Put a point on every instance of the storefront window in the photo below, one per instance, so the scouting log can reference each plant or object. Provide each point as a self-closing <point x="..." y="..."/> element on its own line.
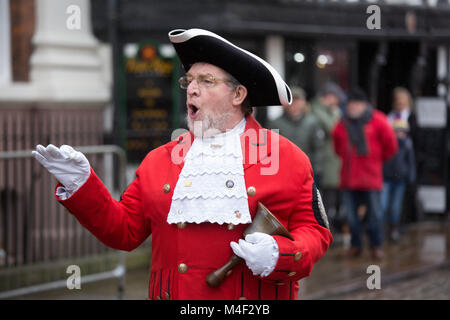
<point x="311" y="64"/>
<point x="299" y="70"/>
<point x="332" y="63"/>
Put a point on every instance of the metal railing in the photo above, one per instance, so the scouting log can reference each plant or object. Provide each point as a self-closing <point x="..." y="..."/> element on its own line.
<point x="36" y="230"/>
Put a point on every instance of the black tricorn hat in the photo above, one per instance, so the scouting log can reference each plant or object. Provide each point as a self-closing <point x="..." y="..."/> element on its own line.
<point x="264" y="85"/>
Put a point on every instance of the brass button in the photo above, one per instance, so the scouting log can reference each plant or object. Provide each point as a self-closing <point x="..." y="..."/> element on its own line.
<point x="279" y="283"/>
<point x="293" y="273"/>
<point x="230" y="226"/>
<point x="167" y="295"/>
<point x="297" y="256"/>
<point x="242" y="298"/>
<point x="182" y="268"/>
<point x="166" y="188"/>
<point x="251" y="191"/>
<point x="181" y="225"/>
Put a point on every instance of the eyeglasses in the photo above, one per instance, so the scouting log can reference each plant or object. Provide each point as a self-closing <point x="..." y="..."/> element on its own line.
<point x="203" y="81"/>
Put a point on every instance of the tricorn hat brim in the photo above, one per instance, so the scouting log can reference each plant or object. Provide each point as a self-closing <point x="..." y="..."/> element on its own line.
<point x="264" y="84"/>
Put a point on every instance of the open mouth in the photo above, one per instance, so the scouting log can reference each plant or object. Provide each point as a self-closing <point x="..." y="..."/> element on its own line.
<point x="193" y="110"/>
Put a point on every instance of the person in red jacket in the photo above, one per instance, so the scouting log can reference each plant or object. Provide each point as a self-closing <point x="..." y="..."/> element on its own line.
<point x="364" y="140"/>
<point x="197" y="194"/>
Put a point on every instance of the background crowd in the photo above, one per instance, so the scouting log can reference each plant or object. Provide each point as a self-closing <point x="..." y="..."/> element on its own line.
<point x="363" y="160"/>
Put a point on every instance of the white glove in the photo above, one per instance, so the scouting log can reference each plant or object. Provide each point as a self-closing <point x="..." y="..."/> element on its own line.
<point x="70" y="167"/>
<point x="260" y="252"/>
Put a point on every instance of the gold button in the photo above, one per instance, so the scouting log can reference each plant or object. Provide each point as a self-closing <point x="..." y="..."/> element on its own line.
<point x="182" y="268"/>
<point x="181" y="225"/>
<point x="293" y="273"/>
<point x="158" y="298"/>
<point x="229" y="272"/>
<point x="279" y="283"/>
<point x="230" y="226"/>
<point x="166" y="188"/>
<point x="167" y="295"/>
<point x="242" y="298"/>
<point x="297" y="256"/>
<point x="251" y="191"/>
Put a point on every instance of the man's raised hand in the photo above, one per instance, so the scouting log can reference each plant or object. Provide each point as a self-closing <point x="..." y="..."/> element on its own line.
<point x="70" y="167"/>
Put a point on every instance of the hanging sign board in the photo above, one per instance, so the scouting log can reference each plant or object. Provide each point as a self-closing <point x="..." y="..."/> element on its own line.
<point x="150" y="98"/>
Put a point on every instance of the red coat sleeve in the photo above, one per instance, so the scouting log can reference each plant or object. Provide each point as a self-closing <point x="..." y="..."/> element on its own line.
<point x="339" y="140"/>
<point x="311" y="235"/>
<point x="119" y="225"/>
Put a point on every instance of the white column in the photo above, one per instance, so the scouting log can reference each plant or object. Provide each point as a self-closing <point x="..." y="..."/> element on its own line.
<point x="448" y="78"/>
<point x="5" y="43"/>
<point x="275" y="56"/>
<point x="65" y="65"/>
<point x="441" y="71"/>
<point x="447" y="75"/>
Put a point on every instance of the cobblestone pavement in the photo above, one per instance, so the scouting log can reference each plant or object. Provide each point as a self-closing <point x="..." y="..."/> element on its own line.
<point x="432" y="286"/>
<point x="417" y="261"/>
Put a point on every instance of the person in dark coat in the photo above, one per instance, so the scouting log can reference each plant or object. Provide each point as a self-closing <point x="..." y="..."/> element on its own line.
<point x="403" y="109"/>
<point x="398" y="172"/>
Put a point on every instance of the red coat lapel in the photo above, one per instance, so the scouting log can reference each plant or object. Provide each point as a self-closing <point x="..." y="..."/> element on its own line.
<point x="256" y="142"/>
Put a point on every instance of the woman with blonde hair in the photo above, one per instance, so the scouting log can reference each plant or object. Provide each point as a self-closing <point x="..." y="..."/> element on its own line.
<point x="403" y="109"/>
<point x="402" y="112"/>
<point x="402" y="104"/>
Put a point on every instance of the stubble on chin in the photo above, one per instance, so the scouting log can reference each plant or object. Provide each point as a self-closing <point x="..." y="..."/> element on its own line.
<point x="210" y="125"/>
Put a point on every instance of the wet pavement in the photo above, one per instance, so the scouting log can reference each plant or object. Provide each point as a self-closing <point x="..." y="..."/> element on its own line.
<point x="417" y="267"/>
<point x="420" y="259"/>
<point x="434" y="285"/>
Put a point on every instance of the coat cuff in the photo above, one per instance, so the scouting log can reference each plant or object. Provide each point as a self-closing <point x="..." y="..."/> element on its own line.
<point x="293" y="261"/>
<point x="63" y="193"/>
<point x="87" y="198"/>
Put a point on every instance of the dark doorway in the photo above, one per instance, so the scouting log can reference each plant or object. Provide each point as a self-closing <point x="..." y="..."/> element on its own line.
<point x="398" y="71"/>
<point x="396" y="66"/>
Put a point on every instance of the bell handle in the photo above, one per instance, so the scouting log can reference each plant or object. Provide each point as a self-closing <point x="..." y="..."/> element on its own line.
<point x="217" y="276"/>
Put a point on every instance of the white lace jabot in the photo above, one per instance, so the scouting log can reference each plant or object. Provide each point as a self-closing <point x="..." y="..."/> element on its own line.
<point x="211" y="185"/>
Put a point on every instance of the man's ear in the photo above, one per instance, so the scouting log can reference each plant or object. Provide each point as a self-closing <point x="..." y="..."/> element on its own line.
<point x="240" y="93"/>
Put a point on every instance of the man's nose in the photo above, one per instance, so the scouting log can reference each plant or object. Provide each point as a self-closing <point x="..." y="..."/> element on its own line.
<point x="193" y="88"/>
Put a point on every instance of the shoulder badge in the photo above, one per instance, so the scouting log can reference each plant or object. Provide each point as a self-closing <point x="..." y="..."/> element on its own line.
<point x="319" y="209"/>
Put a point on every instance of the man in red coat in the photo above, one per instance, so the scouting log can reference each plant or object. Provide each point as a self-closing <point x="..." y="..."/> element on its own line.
<point x="364" y="140"/>
<point x="197" y="194"/>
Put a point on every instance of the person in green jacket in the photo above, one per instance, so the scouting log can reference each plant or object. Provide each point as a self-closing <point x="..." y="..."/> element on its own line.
<point x="300" y="126"/>
<point x="325" y="107"/>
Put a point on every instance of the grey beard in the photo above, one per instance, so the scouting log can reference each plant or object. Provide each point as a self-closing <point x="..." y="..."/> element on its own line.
<point x="210" y="125"/>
